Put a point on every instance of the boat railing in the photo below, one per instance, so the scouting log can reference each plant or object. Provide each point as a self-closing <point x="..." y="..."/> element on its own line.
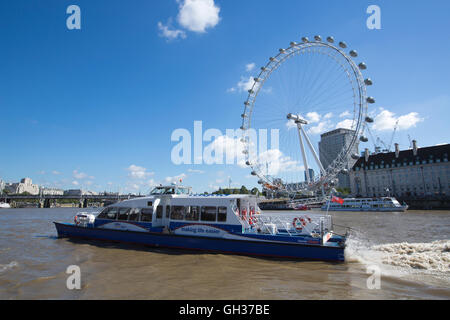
<point x="287" y="224"/>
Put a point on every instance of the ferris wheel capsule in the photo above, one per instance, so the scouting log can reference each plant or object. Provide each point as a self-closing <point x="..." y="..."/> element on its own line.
<point x="353" y="53"/>
<point x="330" y="39"/>
<point x="369" y="120"/>
<point x="305" y="39"/>
<point x="355" y="156"/>
<point x="363" y="139"/>
<point x="318" y="38"/>
<point x="293" y="44"/>
<point x="370" y="100"/>
<point x="343" y="45"/>
<point x="368" y="82"/>
<point x="362" y="66"/>
<point x="282" y="50"/>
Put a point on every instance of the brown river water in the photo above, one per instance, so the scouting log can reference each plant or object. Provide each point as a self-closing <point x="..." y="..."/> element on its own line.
<point x="411" y="250"/>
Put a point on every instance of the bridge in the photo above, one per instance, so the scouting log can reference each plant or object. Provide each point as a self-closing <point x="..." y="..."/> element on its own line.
<point x="46" y="201"/>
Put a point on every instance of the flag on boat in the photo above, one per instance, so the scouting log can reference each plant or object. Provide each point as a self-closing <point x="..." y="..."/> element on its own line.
<point x="337" y="200"/>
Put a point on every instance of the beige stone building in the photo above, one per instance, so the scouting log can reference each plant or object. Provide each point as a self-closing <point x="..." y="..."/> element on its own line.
<point x="415" y="172"/>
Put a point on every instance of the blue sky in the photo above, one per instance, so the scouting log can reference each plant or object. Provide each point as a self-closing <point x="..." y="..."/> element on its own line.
<point x="96" y="107"/>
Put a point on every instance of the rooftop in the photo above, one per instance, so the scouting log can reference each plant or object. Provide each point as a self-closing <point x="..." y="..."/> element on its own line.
<point x="429" y="154"/>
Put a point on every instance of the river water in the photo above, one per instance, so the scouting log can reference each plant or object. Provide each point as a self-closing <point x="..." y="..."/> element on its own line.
<point x="411" y="250"/>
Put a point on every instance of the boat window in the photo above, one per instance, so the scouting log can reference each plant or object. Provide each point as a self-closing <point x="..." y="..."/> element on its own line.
<point x="159" y="212"/>
<point x="209" y="213"/>
<point x="192" y="213"/>
<point x="134" y="214"/>
<point x="146" y="215"/>
<point x="109" y="213"/>
<point x="149" y="204"/>
<point x="103" y="214"/>
<point x="177" y="213"/>
<point x="222" y="214"/>
<point x="167" y="211"/>
<point x="123" y="213"/>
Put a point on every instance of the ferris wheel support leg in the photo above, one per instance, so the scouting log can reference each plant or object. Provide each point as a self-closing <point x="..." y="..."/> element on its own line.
<point x="322" y="170"/>
<point x="302" y="147"/>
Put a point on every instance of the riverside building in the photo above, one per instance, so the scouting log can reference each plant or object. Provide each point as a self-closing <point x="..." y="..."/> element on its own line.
<point x="331" y="144"/>
<point x="417" y="172"/>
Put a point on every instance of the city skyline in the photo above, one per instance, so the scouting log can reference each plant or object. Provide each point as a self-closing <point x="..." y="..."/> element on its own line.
<point x="95" y="108"/>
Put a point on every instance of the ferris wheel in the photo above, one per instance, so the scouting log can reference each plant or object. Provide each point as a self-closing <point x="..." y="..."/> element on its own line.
<point x="304" y="91"/>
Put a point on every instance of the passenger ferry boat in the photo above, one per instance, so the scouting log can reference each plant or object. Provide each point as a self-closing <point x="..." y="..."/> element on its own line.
<point x="385" y="204"/>
<point x="172" y="217"/>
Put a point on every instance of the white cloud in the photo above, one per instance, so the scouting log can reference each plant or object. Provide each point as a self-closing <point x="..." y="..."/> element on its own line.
<point x="56" y="172"/>
<point x="386" y="120"/>
<point x="230" y="148"/>
<point x="249" y="67"/>
<point x="166" y="32"/>
<point x="75" y="183"/>
<point x="344" y="114"/>
<point x="291" y="124"/>
<point x="137" y="172"/>
<point x="321" y="127"/>
<point x="313" y="117"/>
<point x="245" y="84"/>
<point x="198" y="15"/>
<point x="275" y="162"/>
<point x="79" y="175"/>
<point x="329" y="115"/>
<point x="345" y="124"/>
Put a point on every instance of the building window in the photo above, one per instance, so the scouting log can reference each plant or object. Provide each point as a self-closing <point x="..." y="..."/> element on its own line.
<point x="167" y="211"/>
<point x="209" y="213"/>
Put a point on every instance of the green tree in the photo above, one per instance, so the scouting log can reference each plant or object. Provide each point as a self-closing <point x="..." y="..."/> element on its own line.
<point x="243" y="190"/>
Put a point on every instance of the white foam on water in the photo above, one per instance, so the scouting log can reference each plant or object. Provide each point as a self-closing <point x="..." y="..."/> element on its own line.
<point x="5" y="267"/>
<point x="410" y="260"/>
<point x="433" y="256"/>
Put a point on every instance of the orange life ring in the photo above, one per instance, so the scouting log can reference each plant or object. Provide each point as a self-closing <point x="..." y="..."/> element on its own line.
<point x="296" y="226"/>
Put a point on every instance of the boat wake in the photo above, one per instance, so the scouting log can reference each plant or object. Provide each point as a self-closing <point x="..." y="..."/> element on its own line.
<point x="402" y="259"/>
<point x="434" y="256"/>
<point x="5" y="267"/>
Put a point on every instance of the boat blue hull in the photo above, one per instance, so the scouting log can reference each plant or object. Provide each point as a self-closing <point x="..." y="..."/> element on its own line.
<point x="330" y="252"/>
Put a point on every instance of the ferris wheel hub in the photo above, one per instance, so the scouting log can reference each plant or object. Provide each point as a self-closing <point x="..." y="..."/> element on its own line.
<point x="296" y="118"/>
